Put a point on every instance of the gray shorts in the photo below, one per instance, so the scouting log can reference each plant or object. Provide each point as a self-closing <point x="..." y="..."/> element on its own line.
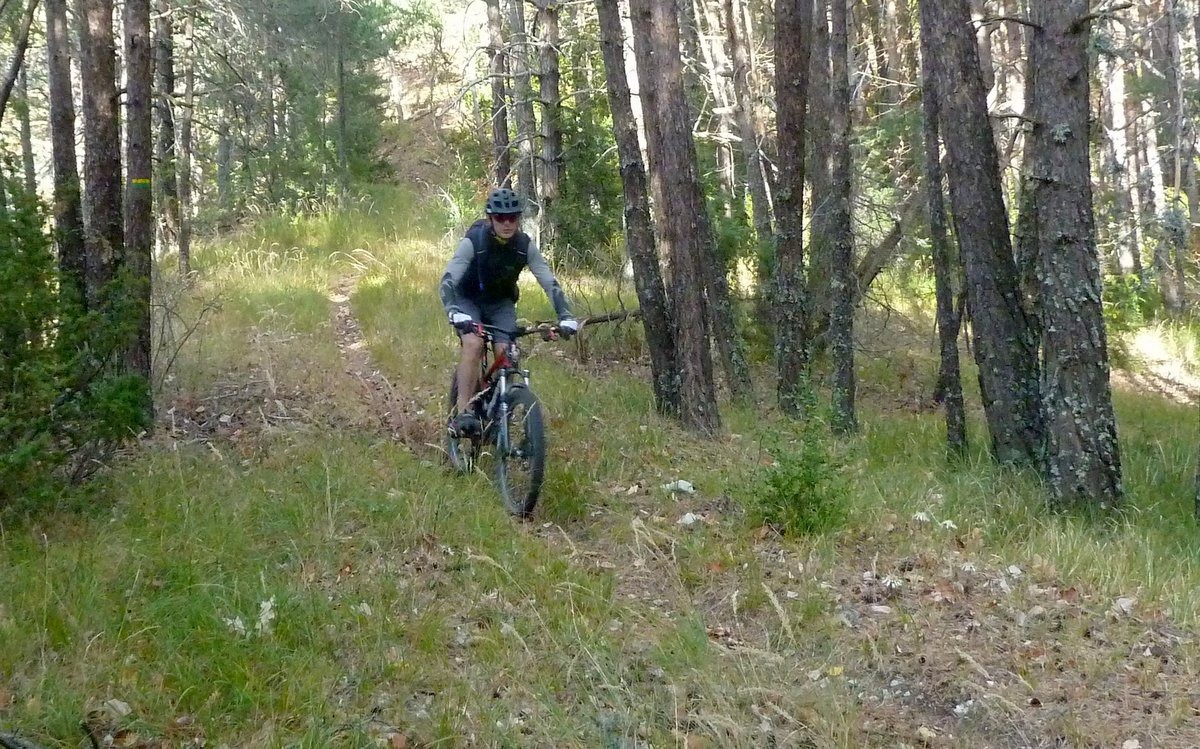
<point x="502" y="314"/>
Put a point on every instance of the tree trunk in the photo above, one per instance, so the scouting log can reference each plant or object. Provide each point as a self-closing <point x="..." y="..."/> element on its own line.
<point x="1005" y="349"/>
<point x="271" y="121"/>
<point x="983" y="37"/>
<point x="646" y="100"/>
<point x="499" y="69"/>
<point x="821" y="226"/>
<point x="639" y="235"/>
<point x="185" y="144"/>
<point x="1025" y="232"/>
<point x="164" y="70"/>
<point x="139" y="220"/>
<point x="552" y="159"/>
<point x="712" y="52"/>
<point x="1181" y="153"/>
<point x="18" y="59"/>
<point x="1117" y="163"/>
<point x="68" y="210"/>
<point x="681" y="212"/>
<point x="1141" y="191"/>
<point x="102" y="208"/>
<point x="1155" y="111"/>
<point x="343" y="146"/>
<point x="793" y="22"/>
<point x="1082" y="461"/>
<point x="949" y="374"/>
<point x="841" y="321"/>
<point x="748" y="126"/>
<point x="710" y="267"/>
<point x="522" y="97"/>
<point x="29" y="168"/>
<point x="900" y="18"/>
<point x="225" y="162"/>
<point x="884" y="89"/>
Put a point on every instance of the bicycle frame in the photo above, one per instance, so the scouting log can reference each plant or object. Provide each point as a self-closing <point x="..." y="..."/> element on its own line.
<point x="494" y="384"/>
<point x="503" y="395"/>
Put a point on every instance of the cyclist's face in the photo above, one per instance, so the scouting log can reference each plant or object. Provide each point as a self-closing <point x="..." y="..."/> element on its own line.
<point x="506" y="226"/>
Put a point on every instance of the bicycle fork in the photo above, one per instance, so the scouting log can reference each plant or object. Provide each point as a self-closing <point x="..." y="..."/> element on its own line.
<point x="502" y="439"/>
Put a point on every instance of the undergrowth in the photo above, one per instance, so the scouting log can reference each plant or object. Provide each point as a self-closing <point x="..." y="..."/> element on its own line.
<point x="308" y="581"/>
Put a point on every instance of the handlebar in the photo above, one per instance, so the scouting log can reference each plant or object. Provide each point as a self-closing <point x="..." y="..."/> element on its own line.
<point x="547" y="331"/>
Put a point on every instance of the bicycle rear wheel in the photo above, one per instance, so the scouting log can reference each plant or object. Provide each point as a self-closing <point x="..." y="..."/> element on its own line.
<point x="521" y="453"/>
<point x="461" y="452"/>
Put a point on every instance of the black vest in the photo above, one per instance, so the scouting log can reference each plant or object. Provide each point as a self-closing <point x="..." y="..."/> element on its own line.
<point x="495" y="268"/>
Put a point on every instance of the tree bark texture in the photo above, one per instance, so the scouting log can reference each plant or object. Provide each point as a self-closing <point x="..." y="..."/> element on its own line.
<point x="164" y="71"/>
<point x="1005" y="349"/>
<point x="225" y="160"/>
<point x="647" y="101"/>
<point x="716" y="64"/>
<point x="793" y="22"/>
<point x="68" y="209"/>
<point x="1116" y="163"/>
<point x="949" y="374"/>
<point x="499" y="69"/>
<point x="187" y="114"/>
<point x="680" y="213"/>
<point x="552" y="140"/>
<point x="522" y="98"/>
<point x="639" y="233"/>
<point x="28" y="167"/>
<point x="102" y="207"/>
<point x="748" y="125"/>
<point x="1082" y="461"/>
<point x="819" y="128"/>
<point x="139" y="148"/>
<point x="841" y="322"/>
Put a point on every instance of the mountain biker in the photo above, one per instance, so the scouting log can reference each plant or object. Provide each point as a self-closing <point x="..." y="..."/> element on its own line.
<point x="480" y="286"/>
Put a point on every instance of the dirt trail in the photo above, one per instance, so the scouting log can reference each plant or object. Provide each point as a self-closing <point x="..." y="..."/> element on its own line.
<point x="404" y="419"/>
<point x="949" y="646"/>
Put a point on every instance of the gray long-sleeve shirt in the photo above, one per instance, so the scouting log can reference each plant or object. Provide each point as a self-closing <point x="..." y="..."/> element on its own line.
<point x="450" y="289"/>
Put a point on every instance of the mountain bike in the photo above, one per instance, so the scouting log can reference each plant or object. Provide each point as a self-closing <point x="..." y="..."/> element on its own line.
<point x="512" y="423"/>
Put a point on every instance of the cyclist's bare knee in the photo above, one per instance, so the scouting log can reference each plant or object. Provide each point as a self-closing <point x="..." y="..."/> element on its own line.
<point x="472" y="346"/>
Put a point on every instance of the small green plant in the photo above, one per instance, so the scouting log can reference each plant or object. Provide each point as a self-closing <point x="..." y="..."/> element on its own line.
<point x="797" y="494"/>
<point x="1127" y="306"/>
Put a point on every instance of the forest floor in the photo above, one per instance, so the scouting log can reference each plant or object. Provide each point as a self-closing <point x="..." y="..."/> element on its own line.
<point x="288" y="562"/>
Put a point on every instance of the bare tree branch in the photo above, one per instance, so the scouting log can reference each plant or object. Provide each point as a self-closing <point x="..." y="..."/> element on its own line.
<point x="1102" y="13"/>
<point x="1000" y="19"/>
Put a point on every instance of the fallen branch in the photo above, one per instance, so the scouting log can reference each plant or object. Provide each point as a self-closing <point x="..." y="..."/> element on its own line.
<point x="610" y="317"/>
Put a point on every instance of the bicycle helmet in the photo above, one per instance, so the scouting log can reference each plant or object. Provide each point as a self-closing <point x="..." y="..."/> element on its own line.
<point x="503" y="201"/>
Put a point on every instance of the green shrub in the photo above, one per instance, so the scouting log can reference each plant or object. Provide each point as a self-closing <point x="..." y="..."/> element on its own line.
<point x="800" y="492"/>
<point x="61" y="402"/>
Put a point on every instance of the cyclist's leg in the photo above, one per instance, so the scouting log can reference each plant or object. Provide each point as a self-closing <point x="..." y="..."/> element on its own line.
<point x="502" y="315"/>
<point x="470" y="358"/>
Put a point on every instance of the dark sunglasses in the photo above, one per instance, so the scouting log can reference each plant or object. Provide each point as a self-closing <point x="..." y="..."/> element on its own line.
<point x="507" y="218"/>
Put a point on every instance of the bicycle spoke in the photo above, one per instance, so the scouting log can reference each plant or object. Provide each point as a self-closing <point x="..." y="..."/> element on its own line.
<point x="520" y="466"/>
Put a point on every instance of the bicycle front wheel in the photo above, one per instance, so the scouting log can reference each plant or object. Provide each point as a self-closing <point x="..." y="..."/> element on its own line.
<point x="521" y="453"/>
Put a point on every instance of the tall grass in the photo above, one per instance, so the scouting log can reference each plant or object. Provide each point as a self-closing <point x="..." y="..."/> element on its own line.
<point x="406" y="602"/>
